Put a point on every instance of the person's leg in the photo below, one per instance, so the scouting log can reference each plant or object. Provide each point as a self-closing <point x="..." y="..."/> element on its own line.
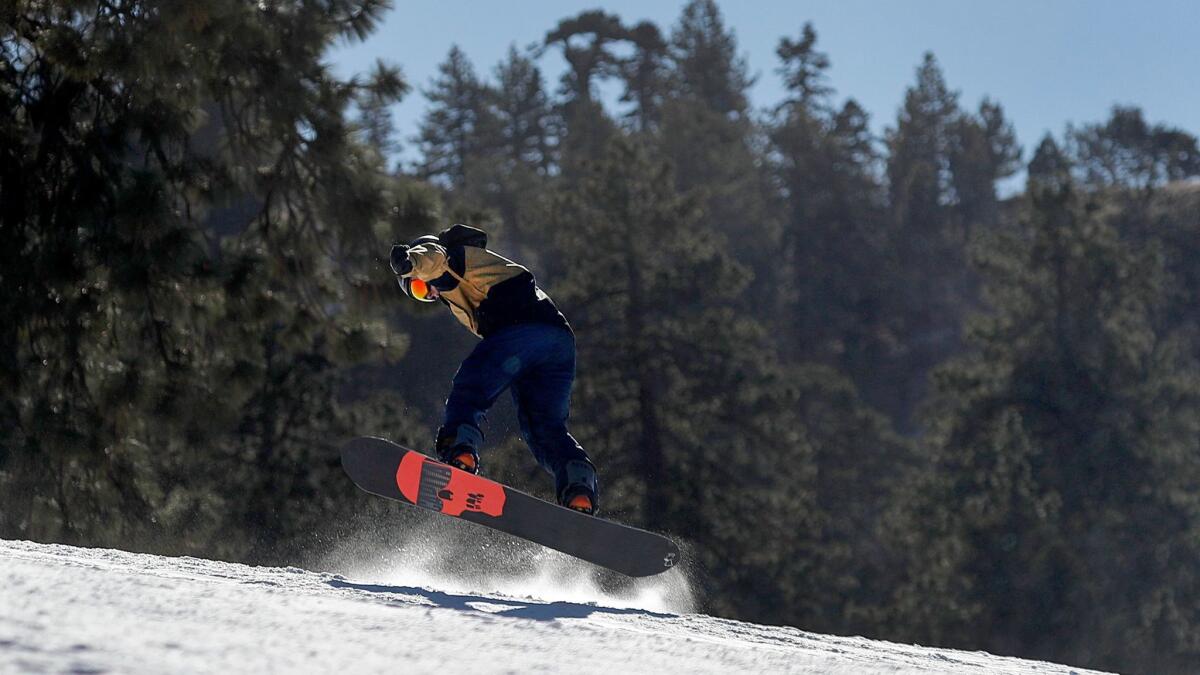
<point x="543" y="397"/>
<point x="481" y="378"/>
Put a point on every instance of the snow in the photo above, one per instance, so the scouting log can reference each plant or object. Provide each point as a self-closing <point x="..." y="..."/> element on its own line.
<point x="67" y="609"/>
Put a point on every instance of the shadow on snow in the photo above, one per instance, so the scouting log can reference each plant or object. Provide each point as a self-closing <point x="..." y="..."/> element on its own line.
<point x="523" y="609"/>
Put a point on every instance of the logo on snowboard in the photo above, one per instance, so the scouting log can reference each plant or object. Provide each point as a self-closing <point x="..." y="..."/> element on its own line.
<point x="440" y="488"/>
<point x="434" y="479"/>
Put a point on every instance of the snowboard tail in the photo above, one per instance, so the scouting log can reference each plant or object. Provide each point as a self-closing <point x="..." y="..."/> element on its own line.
<point x="388" y="470"/>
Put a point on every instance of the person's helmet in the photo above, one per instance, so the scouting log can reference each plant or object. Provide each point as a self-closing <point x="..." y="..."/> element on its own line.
<point x="425" y="239"/>
<point x="414" y="288"/>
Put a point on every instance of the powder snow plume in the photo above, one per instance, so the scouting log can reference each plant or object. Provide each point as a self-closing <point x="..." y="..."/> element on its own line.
<point x="461" y="558"/>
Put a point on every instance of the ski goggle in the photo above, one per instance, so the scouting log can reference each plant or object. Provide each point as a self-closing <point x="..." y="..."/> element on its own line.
<point x="417" y="289"/>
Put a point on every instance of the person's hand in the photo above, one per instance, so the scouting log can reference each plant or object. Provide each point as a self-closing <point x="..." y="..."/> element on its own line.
<point x="401" y="265"/>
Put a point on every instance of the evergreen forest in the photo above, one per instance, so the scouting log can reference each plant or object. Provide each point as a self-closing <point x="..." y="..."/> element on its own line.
<point x="870" y="392"/>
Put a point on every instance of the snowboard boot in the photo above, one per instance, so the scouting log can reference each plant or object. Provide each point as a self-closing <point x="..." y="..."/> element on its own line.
<point x="577" y="487"/>
<point x="451" y="449"/>
<point x="461" y="457"/>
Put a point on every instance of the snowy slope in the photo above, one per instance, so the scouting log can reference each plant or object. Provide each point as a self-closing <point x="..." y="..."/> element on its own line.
<point x="65" y="609"/>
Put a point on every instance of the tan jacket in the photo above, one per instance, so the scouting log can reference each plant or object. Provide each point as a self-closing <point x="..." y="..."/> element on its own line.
<point x="483" y="270"/>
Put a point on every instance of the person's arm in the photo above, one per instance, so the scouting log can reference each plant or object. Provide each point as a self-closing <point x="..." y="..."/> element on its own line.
<point x="423" y="261"/>
<point x="429" y="261"/>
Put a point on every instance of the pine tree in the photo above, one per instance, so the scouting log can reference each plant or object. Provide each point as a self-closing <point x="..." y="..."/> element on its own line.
<point x="984" y="151"/>
<point x="824" y="163"/>
<point x="710" y="140"/>
<point x="1065" y="500"/>
<point x="594" y="58"/>
<point x="1049" y="168"/>
<point x="646" y="77"/>
<point x="930" y="281"/>
<point x="587" y="42"/>
<point x="803" y="69"/>
<point x="1128" y="152"/>
<point x="177" y="310"/>
<point x="386" y="85"/>
<point x="679" y="393"/>
<point x="623" y="200"/>
<point x="455" y="128"/>
<point x="515" y="153"/>
<point x="707" y="65"/>
<point x="522" y="109"/>
<point x="919" y="150"/>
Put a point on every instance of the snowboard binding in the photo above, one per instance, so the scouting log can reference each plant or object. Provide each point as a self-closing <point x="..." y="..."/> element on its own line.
<point x="577" y="487"/>
<point x="582" y="502"/>
<point x="462" y="457"/>
<point x="456" y="447"/>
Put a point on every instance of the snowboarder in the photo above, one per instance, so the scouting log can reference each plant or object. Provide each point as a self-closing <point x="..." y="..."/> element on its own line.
<point x="526" y="344"/>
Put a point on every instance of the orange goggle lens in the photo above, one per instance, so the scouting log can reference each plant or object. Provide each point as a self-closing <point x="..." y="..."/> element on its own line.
<point x="419" y="290"/>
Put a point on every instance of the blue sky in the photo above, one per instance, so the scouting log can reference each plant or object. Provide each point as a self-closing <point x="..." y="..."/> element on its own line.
<point x="1048" y="62"/>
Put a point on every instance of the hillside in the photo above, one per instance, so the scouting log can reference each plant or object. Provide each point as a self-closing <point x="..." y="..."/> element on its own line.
<point x="67" y="609"/>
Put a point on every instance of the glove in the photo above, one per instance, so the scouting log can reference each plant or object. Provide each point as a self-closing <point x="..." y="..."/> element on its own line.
<point x="401" y="265"/>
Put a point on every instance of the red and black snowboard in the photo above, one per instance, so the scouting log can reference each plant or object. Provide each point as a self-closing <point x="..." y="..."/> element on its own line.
<point x="389" y="470"/>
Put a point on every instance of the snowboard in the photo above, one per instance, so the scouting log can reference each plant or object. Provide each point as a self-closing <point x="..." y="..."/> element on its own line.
<point x="383" y="468"/>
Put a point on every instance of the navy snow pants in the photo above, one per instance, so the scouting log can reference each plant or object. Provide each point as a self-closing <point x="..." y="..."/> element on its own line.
<point x="537" y="361"/>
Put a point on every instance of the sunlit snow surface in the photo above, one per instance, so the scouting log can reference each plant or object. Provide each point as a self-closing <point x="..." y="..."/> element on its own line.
<point x="65" y="609"/>
<point x="457" y="559"/>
